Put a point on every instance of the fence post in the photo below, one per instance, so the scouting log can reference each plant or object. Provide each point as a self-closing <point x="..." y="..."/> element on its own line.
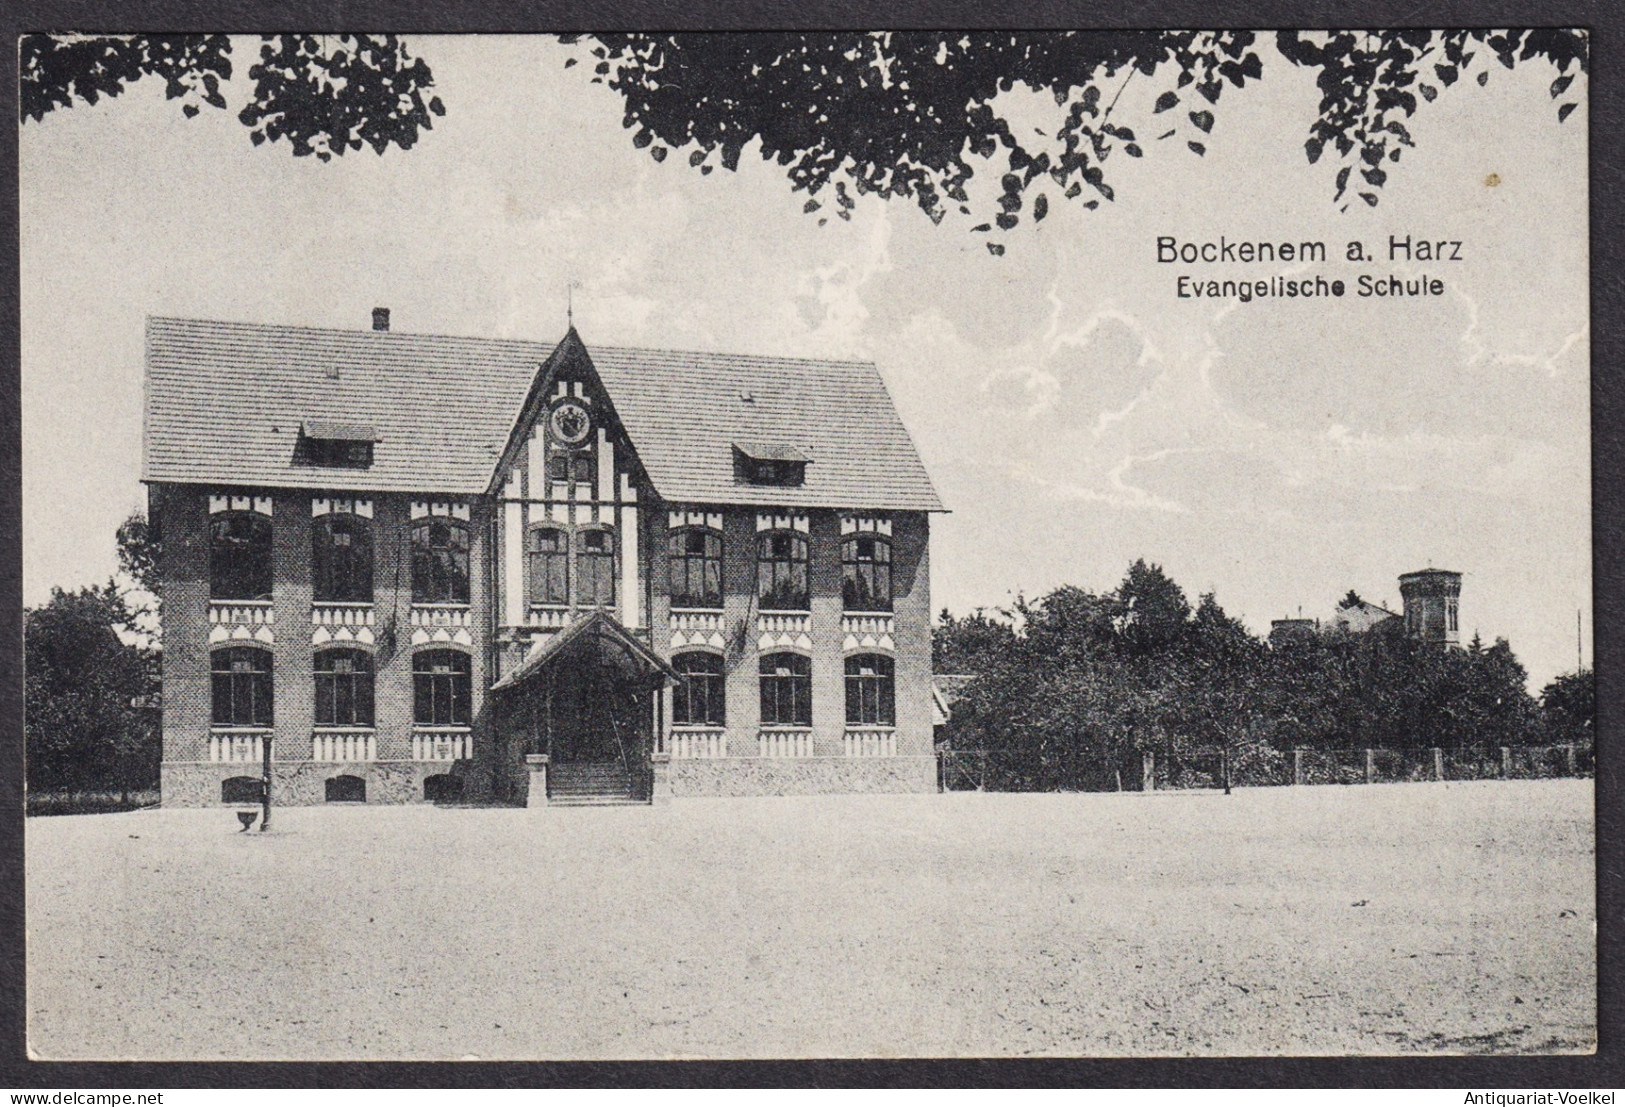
<point x="1568" y="750"/>
<point x="1297" y="766"/>
<point x="1148" y="771"/>
<point x="1506" y="762"/>
<point x="1438" y="763"/>
<point x="1370" y="766"/>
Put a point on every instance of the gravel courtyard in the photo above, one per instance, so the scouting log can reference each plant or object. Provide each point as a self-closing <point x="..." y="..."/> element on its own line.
<point x="1454" y="918"/>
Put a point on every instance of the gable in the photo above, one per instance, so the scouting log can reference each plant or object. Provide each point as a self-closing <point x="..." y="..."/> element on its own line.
<point x="567" y="433"/>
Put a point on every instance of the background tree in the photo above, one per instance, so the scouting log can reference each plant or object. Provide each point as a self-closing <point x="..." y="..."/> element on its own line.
<point x="1067" y="691"/>
<point x="82" y="682"/>
<point x="1568" y="709"/>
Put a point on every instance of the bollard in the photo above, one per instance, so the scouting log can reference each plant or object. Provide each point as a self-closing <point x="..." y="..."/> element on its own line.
<point x="1370" y="766"/>
<point x="1438" y="763"/>
<point x="1569" y="751"/>
<point x="1297" y="766"/>
<point x="1148" y="771"/>
<point x="1506" y="762"/>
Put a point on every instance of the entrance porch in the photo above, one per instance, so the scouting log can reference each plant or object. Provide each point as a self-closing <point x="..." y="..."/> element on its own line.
<point x="583" y="709"/>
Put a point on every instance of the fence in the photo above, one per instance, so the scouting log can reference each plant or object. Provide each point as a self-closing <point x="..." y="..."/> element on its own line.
<point x="1152" y="770"/>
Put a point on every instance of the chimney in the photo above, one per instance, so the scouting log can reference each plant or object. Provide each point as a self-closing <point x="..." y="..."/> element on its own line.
<point x="380" y="319"/>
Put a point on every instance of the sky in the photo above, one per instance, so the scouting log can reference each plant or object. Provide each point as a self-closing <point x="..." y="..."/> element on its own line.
<point x="1074" y="413"/>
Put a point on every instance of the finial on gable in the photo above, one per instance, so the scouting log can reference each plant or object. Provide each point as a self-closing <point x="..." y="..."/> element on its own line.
<point x="569" y="303"/>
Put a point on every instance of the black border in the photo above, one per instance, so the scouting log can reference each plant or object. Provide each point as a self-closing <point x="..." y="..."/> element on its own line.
<point x="1607" y="191"/>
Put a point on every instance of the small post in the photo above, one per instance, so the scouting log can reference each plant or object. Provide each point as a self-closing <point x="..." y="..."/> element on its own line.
<point x="1506" y="762"/>
<point x="536" y="794"/>
<point x="265" y="787"/>
<point x="1568" y="751"/>
<point x="1370" y="766"/>
<point x="1224" y="765"/>
<point x="1297" y="765"/>
<point x="1438" y="763"/>
<point x="1148" y="770"/>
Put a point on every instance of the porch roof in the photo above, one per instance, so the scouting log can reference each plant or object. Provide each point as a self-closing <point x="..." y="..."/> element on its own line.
<point x="599" y="624"/>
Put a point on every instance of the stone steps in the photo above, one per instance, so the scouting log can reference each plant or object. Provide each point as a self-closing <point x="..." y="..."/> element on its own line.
<point x="585" y="784"/>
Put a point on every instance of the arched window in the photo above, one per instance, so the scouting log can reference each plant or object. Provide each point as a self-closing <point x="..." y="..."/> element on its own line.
<point x="871" y="691"/>
<point x="781" y="571"/>
<point x="439" y="562"/>
<point x="441" y="688"/>
<point x="341" y="558"/>
<point x="343" y="688"/>
<point x="595" y="568"/>
<point x="696" y="567"/>
<point x="239" y="556"/>
<point x="346" y="789"/>
<point x="786" y="690"/>
<point x="242" y="789"/>
<point x="866" y="573"/>
<point x="700" y="700"/>
<point x="242" y="686"/>
<point x="549" y="566"/>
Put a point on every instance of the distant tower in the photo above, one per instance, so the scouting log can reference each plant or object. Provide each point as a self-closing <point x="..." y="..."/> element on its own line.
<point x="1431" y="598"/>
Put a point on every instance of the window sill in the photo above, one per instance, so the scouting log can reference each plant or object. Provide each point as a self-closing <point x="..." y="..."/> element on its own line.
<point x="321" y="729"/>
<point x="718" y="610"/>
<point x="436" y="728"/>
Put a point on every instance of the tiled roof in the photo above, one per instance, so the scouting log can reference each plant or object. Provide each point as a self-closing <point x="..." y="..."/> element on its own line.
<point x="225" y="402"/>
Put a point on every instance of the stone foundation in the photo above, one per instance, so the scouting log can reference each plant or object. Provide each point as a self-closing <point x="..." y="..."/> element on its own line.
<point x="800" y="776"/>
<point x="304" y="783"/>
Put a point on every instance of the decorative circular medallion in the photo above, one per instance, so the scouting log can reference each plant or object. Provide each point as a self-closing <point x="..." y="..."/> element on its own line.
<point x="570" y="422"/>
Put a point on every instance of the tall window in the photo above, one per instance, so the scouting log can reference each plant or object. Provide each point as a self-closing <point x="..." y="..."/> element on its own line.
<point x="240" y="557"/>
<point x="439" y="562"/>
<point x="699" y="701"/>
<point x="871" y="691"/>
<point x="577" y="468"/>
<point x="549" y="566"/>
<point x="866" y="573"/>
<point x="786" y="690"/>
<point x="441" y="688"/>
<point x="595" y="568"/>
<point x="696" y="567"/>
<point x="1450" y="624"/>
<point x="341" y="558"/>
<point x="343" y="688"/>
<point x="242" y="686"/>
<point x="781" y="571"/>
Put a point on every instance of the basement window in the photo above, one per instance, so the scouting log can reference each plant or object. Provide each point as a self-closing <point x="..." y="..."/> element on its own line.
<point x="335" y="445"/>
<point x="776" y="465"/>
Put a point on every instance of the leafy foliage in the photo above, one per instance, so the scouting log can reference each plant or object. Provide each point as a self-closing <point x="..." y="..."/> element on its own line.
<point x="323" y="94"/>
<point x="908" y="115"/>
<point x="1568" y="707"/>
<point x="1370" y="83"/>
<point x="82" y="682"/>
<point x="1076" y="685"/>
<point x="912" y="114"/>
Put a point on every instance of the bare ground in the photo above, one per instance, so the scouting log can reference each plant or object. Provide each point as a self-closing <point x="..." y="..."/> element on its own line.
<point x="1408" y="918"/>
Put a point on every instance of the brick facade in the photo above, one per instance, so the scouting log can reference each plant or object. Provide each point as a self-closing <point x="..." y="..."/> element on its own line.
<point x="224" y="430"/>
